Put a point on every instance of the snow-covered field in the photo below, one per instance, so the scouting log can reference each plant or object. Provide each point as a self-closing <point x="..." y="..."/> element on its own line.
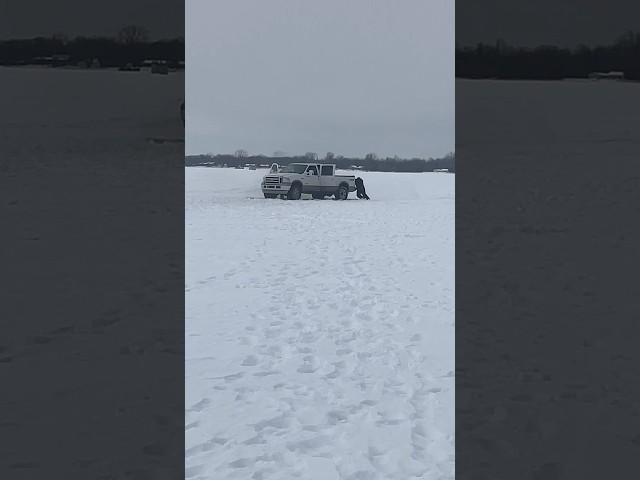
<point x="319" y="333"/>
<point x="567" y="155"/>
<point x="73" y="179"/>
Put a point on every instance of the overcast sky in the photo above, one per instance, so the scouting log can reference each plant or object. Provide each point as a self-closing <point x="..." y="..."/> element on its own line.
<point x="350" y="77"/>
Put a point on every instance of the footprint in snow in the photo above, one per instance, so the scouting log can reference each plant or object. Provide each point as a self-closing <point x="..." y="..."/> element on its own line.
<point x="336" y="416"/>
<point x="241" y="463"/>
<point x="233" y="377"/>
<point x="201" y="405"/>
<point x="266" y="374"/>
<point x="250" y="361"/>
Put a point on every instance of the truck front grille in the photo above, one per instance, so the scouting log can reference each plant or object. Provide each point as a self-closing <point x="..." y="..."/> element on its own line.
<point x="271" y="180"/>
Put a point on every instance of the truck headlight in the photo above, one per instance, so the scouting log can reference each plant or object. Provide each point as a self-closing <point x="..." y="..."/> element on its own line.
<point x="285" y="180"/>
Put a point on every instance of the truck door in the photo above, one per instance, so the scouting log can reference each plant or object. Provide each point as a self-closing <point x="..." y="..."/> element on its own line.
<point x="327" y="182"/>
<point x="311" y="179"/>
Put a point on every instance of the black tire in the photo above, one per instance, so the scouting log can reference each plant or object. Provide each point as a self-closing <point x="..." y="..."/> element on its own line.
<point x="342" y="193"/>
<point x="270" y="195"/>
<point x="295" y="192"/>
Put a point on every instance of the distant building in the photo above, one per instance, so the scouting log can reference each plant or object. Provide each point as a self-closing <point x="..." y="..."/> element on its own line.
<point x="157" y="66"/>
<point x="129" y="68"/>
<point x="160" y="68"/>
<point x="607" y="75"/>
<point x="43" y="60"/>
<point x="60" y="60"/>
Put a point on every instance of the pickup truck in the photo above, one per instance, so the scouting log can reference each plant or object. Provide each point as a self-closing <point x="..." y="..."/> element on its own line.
<point x="318" y="179"/>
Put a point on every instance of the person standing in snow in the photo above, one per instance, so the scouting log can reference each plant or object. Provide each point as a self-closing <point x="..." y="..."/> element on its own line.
<point x="361" y="192"/>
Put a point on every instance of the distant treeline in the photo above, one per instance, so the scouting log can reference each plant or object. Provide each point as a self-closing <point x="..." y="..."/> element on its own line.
<point x="131" y="45"/>
<point x="370" y="163"/>
<point x="549" y="62"/>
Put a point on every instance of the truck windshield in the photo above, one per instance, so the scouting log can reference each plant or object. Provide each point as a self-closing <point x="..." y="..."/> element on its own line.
<point x="294" y="168"/>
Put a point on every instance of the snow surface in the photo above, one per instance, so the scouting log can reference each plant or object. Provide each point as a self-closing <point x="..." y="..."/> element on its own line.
<point x="578" y="144"/>
<point x="73" y="178"/>
<point x="319" y="333"/>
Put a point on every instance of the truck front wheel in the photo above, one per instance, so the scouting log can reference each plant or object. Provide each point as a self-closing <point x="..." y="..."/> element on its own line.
<point x="295" y="192"/>
<point x="342" y="193"/>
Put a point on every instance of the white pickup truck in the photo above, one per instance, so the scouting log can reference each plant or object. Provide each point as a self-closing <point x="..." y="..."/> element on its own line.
<point x="318" y="179"/>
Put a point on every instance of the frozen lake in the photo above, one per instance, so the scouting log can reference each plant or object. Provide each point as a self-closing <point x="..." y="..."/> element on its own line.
<point x="319" y="333"/>
<point x="547" y="163"/>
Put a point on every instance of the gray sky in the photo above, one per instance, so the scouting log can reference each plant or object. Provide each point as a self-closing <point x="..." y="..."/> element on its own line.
<point x="350" y="77"/>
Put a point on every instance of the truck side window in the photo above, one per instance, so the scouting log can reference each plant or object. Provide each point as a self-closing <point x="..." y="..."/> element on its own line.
<point x="313" y="170"/>
<point x="327" y="170"/>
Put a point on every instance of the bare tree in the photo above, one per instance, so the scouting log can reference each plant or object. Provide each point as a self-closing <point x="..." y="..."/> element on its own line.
<point x="241" y="153"/>
<point x="132" y="34"/>
<point x="311" y="156"/>
<point x="371" y="156"/>
<point x="329" y="156"/>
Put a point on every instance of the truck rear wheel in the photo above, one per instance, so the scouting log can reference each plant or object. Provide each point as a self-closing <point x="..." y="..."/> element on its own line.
<point x="342" y="193"/>
<point x="295" y="192"/>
